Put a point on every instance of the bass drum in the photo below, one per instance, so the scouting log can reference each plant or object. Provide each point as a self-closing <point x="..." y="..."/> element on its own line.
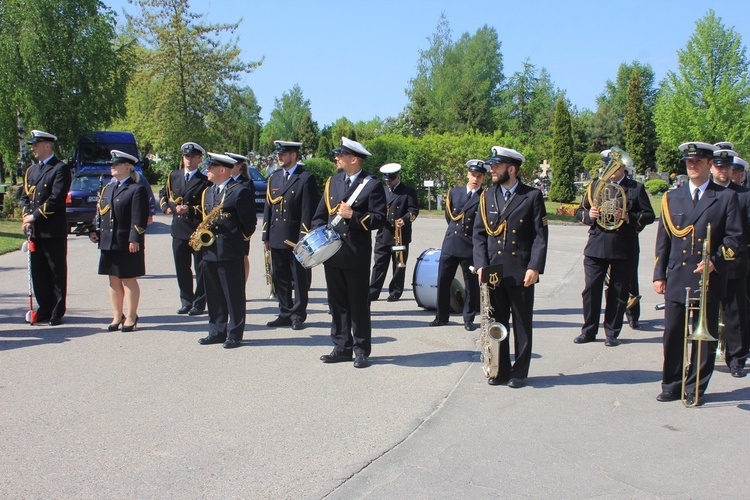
<point x="425" y="282"/>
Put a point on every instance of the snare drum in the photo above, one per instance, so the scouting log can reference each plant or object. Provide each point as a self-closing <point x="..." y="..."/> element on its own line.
<point x="425" y="282"/>
<point x="317" y="246"/>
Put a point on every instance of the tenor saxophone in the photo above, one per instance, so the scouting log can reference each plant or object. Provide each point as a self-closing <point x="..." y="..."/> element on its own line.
<point x="203" y="236"/>
<point x="492" y="332"/>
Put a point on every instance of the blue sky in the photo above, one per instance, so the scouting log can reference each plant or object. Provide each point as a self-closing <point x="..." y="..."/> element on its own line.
<point x="355" y="59"/>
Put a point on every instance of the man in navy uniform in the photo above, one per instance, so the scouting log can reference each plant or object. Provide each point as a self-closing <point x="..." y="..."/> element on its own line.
<point x="614" y="249"/>
<point x="686" y="213"/>
<point x="460" y="211"/>
<point x="511" y="230"/>
<point x="45" y="188"/>
<point x="353" y="204"/>
<point x="734" y="304"/>
<point x="223" y="266"/>
<point x="402" y="210"/>
<point x="181" y="198"/>
<point x="291" y="200"/>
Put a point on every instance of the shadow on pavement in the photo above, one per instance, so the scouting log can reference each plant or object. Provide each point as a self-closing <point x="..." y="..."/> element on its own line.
<point x="625" y="377"/>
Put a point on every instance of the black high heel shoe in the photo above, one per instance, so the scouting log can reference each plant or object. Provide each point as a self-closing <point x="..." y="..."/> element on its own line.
<point x="130" y="328"/>
<point x="116" y="326"/>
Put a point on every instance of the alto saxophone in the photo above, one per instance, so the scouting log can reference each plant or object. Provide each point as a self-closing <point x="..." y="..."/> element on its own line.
<point x="492" y="332"/>
<point x="203" y="236"/>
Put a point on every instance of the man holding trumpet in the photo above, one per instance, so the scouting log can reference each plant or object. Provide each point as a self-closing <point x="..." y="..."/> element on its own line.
<point x="392" y="240"/>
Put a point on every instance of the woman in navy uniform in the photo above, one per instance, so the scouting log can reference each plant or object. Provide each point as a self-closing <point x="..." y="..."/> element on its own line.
<point x="686" y="213"/>
<point x="223" y="268"/>
<point x="123" y="217"/>
<point x="460" y="211"/>
<point x="511" y="231"/>
<point x="348" y="271"/>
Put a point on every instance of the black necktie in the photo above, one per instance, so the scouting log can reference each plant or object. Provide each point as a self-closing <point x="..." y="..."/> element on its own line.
<point x="507" y="196"/>
<point x="348" y="183"/>
<point x="187" y="178"/>
<point x="696" y="196"/>
<point x="286" y="176"/>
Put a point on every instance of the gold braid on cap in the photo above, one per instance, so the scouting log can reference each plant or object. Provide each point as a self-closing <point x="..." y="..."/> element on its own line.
<point x="669" y="225"/>
<point x="450" y="210"/>
<point x="483" y="211"/>
<point x="327" y="196"/>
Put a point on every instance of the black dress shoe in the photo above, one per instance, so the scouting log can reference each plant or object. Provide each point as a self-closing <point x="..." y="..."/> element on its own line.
<point x="212" y="340"/>
<point x="361" y="361"/>
<point x="738" y="371"/>
<point x="499" y="380"/>
<point x="130" y="328"/>
<point x="371" y="298"/>
<point x="336" y="357"/>
<point x="231" y="344"/>
<point x="666" y="396"/>
<point x="55" y="321"/>
<point x="183" y="310"/>
<point x="635" y="325"/>
<point x="392" y="298"/>
<point x="611" y="342"/>
<point x="582" y="339"/>
<point x="516" y="383"/>
<point x="116" y="326"/>
<point x="437" y="322"/>
<point x="297" y="325"/>
<point x="195" y="312"/>
<point x="279" y="322"/>
<point x="469" y="326"/>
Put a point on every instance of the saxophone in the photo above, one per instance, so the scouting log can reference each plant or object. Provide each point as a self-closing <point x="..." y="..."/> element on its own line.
<point x="203" y="236"/>
<point x="492" y="332"/>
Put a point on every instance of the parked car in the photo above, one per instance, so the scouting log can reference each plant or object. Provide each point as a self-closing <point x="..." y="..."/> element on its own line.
<point x="259" y="185"/>
<point x="80" y="204"/>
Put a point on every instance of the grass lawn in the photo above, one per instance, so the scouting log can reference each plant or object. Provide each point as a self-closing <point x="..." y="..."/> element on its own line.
<point x="11" y="237"/>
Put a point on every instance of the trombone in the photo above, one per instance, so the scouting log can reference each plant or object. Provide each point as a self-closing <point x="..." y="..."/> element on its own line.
<point x="700" y="332"/>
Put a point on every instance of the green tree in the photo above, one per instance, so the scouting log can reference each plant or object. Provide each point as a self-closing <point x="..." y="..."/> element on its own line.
<point x="342" y="127"/>
<point x="238" y="128"/>
<point x="286" y="118"/>
<point x="61" y="67"/>
<point x="708" y="98"/>
<point x="457" y="84"/>
<point x="638" y="127"/>
<point x="307" y="133"/>
<point x="185" y="75"/>
<point x="563" y="168"/>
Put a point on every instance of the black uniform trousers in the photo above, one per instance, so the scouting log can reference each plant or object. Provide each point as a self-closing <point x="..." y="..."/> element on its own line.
<point x="183" y="255"/>
<point x="446" y="272"/>
<point x="634" y="313"/>
<point x="620" y="274"/>
<point x="289" y="275"/>
<point x="734" y="308"/>
<point x="225" y="289"/>
<point x="518" y="301"/>
<point x="382" y="257"/>
<point x="49" y="274"/>
<point x="351" y="329"/>
<point x="674" y="338"/>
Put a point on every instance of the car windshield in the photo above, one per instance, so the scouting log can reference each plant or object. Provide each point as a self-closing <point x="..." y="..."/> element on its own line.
<point x="96" y="153"/>
<point x="255" y="175"/>
<point x="89" y="182"/>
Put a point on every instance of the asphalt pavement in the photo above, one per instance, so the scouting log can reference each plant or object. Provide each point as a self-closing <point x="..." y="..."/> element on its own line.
<point x="152" y="414"/>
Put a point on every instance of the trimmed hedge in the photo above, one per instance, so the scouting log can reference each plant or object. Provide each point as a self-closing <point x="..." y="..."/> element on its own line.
<point x="656" y="186"/>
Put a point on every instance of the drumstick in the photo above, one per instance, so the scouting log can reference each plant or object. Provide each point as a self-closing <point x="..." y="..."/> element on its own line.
<point x="291" y="244"/>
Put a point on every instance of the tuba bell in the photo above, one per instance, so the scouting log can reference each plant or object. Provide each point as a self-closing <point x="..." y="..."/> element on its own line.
<point x="609" y="197"/>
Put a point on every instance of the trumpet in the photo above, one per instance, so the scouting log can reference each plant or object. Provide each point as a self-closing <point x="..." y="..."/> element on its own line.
<point x="700" y="332"/>
<point x="399" y="247"/>
<point x="269" y="276"/>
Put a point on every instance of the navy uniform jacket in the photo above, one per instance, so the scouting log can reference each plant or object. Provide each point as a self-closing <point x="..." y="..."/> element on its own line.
<point x="739" y="266"/>
<point x="621" y="243"/>
<point x="45" y="189"/>
<point x="236" y="224"/>
<point x="290" y="207"/>
<point x="522" y="243"/>
<point x="175" y="192"/>
<point x="369" y="214"/>
<point x="682" y="230"/>
<point x="458" y="237"/>
<point x="401" y="204"/>
<point x="124" y="216"/>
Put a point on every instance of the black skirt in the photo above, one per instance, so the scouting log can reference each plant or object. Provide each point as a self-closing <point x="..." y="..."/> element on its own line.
<point x="121" y="264"/>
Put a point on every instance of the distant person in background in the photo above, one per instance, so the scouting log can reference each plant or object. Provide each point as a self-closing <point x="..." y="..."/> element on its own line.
<point x="45" y="188"/>
<point x="123" y="209"/>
